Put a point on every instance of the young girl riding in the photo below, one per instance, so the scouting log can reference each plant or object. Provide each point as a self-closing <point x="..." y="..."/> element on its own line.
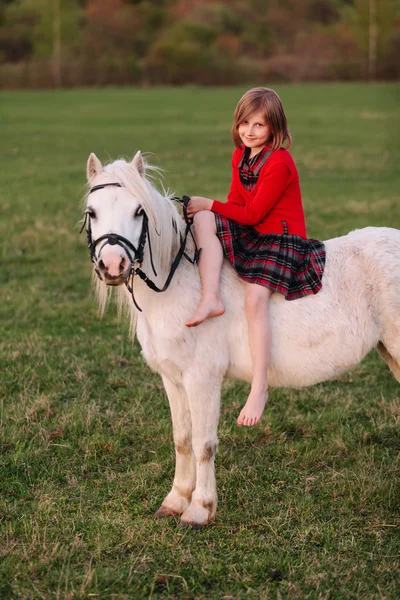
<point x="260" y="229"/>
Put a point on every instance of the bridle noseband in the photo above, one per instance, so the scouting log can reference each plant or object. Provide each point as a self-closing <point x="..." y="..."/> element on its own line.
<point x="136" y="254"/>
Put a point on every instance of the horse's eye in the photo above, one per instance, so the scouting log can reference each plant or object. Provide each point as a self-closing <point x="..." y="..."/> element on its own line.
<point x="138" y="211"/>
<point x="91" y="213"/>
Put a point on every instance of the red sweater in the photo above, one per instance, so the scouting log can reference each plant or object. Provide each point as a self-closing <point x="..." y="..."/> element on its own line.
<point x="276" y="196"/>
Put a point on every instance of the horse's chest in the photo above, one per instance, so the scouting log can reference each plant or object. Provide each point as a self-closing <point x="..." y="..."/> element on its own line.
<point x="165" y="353"/>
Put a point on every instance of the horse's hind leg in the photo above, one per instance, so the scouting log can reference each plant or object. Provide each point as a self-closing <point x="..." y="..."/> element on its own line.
<point x="178" y="499"/>
<point x="389" y="360"/>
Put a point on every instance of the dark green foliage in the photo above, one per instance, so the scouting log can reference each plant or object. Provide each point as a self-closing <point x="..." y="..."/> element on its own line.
<point x="66" y="43"/>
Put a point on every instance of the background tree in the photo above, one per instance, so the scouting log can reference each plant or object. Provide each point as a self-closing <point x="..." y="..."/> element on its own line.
<point x="95" y="42"/>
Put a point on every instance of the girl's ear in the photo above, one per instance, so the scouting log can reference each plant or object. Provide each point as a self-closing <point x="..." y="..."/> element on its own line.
<point x="93" y="167"/>
<point x="138" y="163"/>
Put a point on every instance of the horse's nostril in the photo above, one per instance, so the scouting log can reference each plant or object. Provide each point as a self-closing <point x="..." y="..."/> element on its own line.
<point x="101" y="265"/>
<point x="123" y="265"/>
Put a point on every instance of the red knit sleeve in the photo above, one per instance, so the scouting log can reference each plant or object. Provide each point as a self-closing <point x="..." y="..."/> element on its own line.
<point x="270" y="189"/>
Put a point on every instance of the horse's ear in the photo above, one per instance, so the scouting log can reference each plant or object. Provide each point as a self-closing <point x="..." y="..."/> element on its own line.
<point x="94" y="167"/>
<point x="138" y="163"/>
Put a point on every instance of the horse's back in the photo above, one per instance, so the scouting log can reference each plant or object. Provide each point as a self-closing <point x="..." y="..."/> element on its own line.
<point x="377" y="241"/>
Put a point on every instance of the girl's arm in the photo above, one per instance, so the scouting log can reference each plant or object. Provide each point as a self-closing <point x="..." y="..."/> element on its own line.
<point x="271" y="188"/>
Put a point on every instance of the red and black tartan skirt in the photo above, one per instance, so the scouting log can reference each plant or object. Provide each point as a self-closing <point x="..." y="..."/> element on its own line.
<point x="284" y="263"/>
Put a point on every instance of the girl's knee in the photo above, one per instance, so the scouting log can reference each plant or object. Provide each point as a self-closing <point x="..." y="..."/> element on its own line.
<point x="204" y="216"/>
<point x="204" y="220"/>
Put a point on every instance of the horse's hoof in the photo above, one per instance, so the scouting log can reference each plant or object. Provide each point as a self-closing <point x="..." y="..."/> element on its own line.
<point x="192" y="525"/>
<point x="198" y="514"/>
<point x="165" y="512"/>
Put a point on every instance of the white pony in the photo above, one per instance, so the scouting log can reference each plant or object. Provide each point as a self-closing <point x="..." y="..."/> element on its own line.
<point x="313" y="339"/>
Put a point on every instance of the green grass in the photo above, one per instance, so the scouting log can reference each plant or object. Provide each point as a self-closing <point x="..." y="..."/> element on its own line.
<point x="308" y="500"/>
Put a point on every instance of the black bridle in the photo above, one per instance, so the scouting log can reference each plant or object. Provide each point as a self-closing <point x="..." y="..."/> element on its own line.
<point x="136" y="254"/>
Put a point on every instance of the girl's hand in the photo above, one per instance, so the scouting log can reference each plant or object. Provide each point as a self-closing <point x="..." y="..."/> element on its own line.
<point x="198" y="203"/>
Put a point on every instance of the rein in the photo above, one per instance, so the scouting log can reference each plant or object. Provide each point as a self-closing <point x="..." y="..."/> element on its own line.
<point x="136" y="254"/>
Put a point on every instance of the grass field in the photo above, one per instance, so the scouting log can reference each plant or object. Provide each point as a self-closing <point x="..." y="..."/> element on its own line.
<point x="309" y="499"/>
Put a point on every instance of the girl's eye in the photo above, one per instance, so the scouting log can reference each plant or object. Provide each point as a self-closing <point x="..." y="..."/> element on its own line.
<point x="91" y="213"/>
<point x="138" y="212"/>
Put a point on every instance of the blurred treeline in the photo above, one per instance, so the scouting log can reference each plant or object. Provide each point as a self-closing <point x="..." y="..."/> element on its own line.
<point x="65" y="43"/>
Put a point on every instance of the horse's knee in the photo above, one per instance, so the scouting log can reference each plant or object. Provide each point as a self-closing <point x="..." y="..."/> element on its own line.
<point x="205" y="451"/>
<point x="183" y="445"/>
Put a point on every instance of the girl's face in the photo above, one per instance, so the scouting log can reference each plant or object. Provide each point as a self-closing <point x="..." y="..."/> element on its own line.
<point x="254" y="132"/>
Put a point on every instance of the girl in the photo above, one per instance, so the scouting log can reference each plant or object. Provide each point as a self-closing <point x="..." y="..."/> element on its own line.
<point x="260" y="229"/>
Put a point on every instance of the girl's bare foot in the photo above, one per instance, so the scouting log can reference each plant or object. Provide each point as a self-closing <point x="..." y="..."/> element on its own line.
<point x="206" y="310"/>
<point x="252" y="411"/>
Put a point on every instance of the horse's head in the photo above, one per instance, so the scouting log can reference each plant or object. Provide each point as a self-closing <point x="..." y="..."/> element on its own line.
<point x="115" y="217"/>
<point x="128" y="220"/>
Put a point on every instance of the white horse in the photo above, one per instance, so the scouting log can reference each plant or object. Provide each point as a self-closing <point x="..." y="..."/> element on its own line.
<point x="313" y="339"/>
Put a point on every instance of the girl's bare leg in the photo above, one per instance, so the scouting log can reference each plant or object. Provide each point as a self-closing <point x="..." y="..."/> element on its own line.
<point x="210" y="266"/>
<point x="256" y="308"/>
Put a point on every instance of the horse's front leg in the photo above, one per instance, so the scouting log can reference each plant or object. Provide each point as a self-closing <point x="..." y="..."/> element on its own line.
<point x="177" y="501"/>
<point x="203" y="393"/>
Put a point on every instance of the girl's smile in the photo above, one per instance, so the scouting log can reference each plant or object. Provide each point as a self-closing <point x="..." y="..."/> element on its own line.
<point x="254" y="132"/>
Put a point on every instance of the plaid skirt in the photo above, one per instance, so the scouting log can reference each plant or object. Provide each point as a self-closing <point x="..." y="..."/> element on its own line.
<point x="284" y="263"/>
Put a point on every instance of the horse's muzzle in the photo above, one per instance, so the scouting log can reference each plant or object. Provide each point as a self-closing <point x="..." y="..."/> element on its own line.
<point x="113" y="270"/>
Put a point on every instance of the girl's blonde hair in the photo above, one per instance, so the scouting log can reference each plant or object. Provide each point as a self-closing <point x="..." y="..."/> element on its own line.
<point x="270" y="104"/>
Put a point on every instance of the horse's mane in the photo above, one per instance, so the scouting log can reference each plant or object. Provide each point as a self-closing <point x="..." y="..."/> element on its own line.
<point x="164" y="221"/>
